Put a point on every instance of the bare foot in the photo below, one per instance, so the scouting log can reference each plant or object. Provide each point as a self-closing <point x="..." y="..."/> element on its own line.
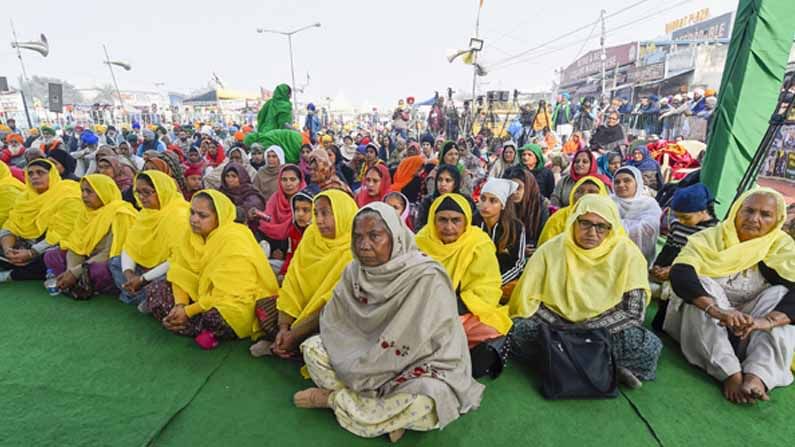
<point x="754" y="388"/>
<point x="732" y="389"/>
<point x="394" y="436"/>
<point x="312" y="398"/>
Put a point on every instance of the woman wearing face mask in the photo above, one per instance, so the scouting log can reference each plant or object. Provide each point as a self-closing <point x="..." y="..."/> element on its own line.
<point x="531" y="157"/>
<point x="583" y="164"/>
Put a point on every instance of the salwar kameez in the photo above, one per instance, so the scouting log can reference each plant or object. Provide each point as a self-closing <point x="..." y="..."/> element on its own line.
<point x="160" y="301"/>
<point x="634" y="347"/>
<point x="711" y="347"/>
<point x="362" y="415"/>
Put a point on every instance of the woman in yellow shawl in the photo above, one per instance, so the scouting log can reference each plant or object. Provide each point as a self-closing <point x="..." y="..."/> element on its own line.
<point x="217" y="272"/>
<point x="590" y="276"/>
<point x="316" y="268"/>
<point x="557" y="222"/>
<point x="41" y="218"/>
<point x="10" y="189"/>
<point x="738" y="278"/>
<point x="160" y="225"/>
<point x="81" y="263"/>
<point x="469" y="257"/>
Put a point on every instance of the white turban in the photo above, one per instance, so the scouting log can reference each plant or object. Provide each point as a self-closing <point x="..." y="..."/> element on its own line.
<point x="501" y="188"/>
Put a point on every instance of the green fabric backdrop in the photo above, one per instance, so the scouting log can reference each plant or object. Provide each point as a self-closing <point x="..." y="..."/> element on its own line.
<point x="759" y="49"/>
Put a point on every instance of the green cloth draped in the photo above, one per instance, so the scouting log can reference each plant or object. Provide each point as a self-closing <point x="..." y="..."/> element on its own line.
<point x="755" y="65"/>
<point x="289" y="140"/>
<point x="277" y="112"/>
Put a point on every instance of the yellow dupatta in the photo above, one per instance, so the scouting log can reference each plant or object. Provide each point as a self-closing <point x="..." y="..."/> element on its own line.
<point x="228" y="271"/>
<point x="155" y="233"/>
<point x="557" y="222"/>
<point x="115" y="215"/>
<point x="10" y="189"/>
<point x="471" y="262"/>
<point x="52" y="212"/>
<point x="318" y="263"/>
<point x="717" y="251"/>
<point x="576" y="283"/>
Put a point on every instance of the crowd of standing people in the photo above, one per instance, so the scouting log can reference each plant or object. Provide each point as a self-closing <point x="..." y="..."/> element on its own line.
<point x="401" y="266"/>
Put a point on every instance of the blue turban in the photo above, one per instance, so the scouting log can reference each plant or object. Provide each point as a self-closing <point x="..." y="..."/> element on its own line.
<point x="362" y="149"/>
<point x="691" y="199"/>
<point x="311" y="107"/>
<point x="88" y="138"/>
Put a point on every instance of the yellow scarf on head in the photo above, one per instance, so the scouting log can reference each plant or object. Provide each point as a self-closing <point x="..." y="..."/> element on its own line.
<point x="10" y="189"/>
<point x="318" y="263"/>
<point x="54" y="211"/>
<point x="471" y="262"/>
<point x="227" y="271"/>
<point x="717" y="251"/>
<point x="576" y="283"/>
<point x="557" y="222"/>
<point x="156" y="232"/>
<point x="115" y="215"/>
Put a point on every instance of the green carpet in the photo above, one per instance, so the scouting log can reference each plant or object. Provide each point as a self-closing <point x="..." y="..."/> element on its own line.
<point x="99" y="373"/>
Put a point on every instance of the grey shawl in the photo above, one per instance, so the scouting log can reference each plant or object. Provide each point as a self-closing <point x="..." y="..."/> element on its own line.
<point x="395" y="328"/>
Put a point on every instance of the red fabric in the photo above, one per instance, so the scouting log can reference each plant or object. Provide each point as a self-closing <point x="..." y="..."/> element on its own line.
<point x="15" y="137"/>
<point x="280" y="211"/>
<point x="18" y="173"/>
<point x="594" y="171"/>
<point x="294" y="236"/>
<point x="194" y="169"/>
<point x="678" y="159"/>
<point x="406" y="171"/>
<point x="219" y="157"/>
<point x="177" y="150"/>
<point x="363" y="198"/>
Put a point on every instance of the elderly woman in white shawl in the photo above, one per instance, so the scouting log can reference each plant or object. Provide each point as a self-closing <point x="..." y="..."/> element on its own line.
<point x="640" y="214"/>
<point x="389" y="358"/>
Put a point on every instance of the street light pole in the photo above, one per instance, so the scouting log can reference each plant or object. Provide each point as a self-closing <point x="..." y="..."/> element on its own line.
<point x="289" y="35"/>
<point x="292" y="70"/>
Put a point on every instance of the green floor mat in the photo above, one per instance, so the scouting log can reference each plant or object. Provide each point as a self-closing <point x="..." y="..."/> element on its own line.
<point x="90" y="373"/>
<point x="99" y="373"/>
<point x="249" y="402"/>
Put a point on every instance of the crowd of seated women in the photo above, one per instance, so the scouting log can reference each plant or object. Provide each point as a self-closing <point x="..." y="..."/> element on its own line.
<point x="400" y="284"/>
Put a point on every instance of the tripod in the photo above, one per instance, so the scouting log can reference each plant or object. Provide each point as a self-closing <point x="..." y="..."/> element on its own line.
<point x="777" y="120"/>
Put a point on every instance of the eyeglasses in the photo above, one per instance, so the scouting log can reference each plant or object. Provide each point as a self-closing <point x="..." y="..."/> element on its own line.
<point x="600" y="228"/>
<point x="144" y="194"/>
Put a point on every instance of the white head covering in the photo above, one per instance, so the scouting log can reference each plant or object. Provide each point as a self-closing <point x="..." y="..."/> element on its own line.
<point x="501" y="188"/>
<point x="640" y="215"/>
<point x="207" y="130"/>
<point x="276" y="150"/>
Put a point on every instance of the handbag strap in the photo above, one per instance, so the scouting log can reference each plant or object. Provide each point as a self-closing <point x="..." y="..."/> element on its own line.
<point x="583" y="371"/>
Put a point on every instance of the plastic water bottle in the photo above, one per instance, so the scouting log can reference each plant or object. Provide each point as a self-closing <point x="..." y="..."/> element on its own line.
<point x="51" y="284"/>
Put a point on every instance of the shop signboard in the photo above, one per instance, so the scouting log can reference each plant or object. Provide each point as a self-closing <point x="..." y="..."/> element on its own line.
<point x="591" y="62"/>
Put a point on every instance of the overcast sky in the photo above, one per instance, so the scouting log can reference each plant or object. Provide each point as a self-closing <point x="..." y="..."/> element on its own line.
<point x="368" y="51"/>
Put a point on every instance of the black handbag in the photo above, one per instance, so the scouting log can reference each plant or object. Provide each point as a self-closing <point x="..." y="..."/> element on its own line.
<point x="577" y="364"/>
